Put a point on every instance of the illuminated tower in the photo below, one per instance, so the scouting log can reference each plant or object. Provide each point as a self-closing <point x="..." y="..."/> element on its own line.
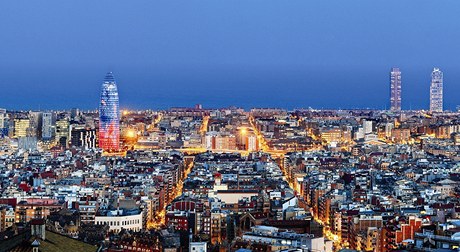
<point x="109" y="116"/>
<point x="436" y="91"/>
<point x="395" y="89"/>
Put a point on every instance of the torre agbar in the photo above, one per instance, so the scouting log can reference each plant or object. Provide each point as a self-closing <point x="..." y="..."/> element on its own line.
<point x="109" y="115"/>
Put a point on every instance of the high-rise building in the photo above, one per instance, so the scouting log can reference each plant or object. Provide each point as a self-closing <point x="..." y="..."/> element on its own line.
<point x="436" y="96"/>
<point x="35" y="123"/>
<point x="3" y="123"/>
<point x="83" y="137"/>
<point x="21" y="128"/>
<point x="395" y="89"/>
<point x="109" y="115"/>
<point x="367" y="126"/>
<point x="47" y="127"/>
<point x="62" y="131"/>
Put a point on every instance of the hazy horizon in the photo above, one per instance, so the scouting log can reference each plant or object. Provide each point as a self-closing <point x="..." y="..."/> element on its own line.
<point x="294" y="54"/>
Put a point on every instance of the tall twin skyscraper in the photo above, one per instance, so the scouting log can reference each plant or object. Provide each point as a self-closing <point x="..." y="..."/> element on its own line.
<point x="436" y="95"/>
<point x="395" y="89"/>
<point x="109" y="116"/>
<point x="436" y="90"/>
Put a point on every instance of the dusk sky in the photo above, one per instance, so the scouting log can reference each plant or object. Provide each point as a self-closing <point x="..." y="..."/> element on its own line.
<point x="248" y="53"/>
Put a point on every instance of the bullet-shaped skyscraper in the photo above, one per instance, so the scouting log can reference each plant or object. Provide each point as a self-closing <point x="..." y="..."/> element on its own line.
<point x="436" y="91"/>
<point x="109" y="116"/>
<point x="395" y="89"/>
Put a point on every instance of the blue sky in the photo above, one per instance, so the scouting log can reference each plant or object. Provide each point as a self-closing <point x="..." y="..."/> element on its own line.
<point x="249" y="53"/>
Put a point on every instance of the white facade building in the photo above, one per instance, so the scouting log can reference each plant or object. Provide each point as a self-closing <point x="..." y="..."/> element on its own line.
<point x="367" y="126"/>
<point x="198" y="247"/>
<point x="117" y="220"/>
<point x="282" y="240"/>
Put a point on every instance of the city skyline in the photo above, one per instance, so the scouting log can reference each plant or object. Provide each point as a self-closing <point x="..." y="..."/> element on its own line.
<point x="230" y="126"/>
<point x="189" y="171"/>
<point x="395" y="98"/>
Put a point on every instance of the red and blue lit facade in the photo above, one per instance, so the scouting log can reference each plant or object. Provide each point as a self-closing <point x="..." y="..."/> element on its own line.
<point x="109" y="115"/>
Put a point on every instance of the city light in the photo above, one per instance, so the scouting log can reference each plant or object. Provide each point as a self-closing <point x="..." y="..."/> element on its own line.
<point x="306" y="126"/>
<point x="131" y="133"/>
